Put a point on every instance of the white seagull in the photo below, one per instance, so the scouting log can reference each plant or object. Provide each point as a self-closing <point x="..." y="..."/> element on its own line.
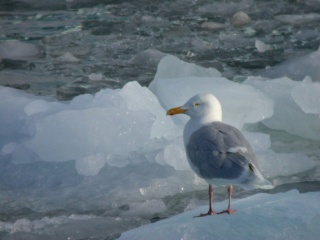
<point x="218" y="152"/>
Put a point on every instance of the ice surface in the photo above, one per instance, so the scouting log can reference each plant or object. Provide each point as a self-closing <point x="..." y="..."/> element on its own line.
<point x="297" y="68"/>
<point x="126" y="124"/>
<point x="288" y="215"/>
<point x="306" y="95"/>
<point x="176" y="81"/>
<point x="287" y="163"/>
<point x="292" y="111"/>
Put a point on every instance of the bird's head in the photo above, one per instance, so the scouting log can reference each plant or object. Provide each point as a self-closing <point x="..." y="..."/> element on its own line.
<point x="202" y="106"/>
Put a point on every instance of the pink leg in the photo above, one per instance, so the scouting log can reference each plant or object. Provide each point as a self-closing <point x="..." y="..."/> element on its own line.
<point x="229" y="210"/>
<point x="210" y="212"/>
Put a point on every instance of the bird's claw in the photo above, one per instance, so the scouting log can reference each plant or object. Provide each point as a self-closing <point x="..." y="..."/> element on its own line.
<point x="229" y="211"/>
<point x="209" y="213"/>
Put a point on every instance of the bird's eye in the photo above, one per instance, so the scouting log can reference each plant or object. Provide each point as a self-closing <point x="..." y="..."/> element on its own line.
<point x="196" y="104"/>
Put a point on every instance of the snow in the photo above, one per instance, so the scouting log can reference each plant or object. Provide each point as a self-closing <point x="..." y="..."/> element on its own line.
<point x="290" y="215"/>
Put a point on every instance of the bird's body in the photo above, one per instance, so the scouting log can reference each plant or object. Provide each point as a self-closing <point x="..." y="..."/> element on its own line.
<point x="218" y="152"/>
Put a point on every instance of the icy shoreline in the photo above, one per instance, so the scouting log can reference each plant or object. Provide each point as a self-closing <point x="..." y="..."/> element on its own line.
<point x="111" y="152"/>
<point x="289" y="215"/>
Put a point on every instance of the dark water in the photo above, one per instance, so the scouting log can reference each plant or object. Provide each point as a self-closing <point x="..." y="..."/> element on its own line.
<point x="105" y="35"/>
<point x="103" y="40"/>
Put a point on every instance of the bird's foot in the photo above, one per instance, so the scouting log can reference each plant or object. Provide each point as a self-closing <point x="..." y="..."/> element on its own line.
<point x="229" y="211"/>
<point x="209" y="213"/>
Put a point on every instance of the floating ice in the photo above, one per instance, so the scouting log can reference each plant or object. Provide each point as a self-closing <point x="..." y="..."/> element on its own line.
<point x="288" y="215"/>
<point x="95" y="76"/>
<point x="296" y="19"/>
<point x="292" y="105"/>
<point x="262" y="47"/>
<point x="287" y="163"/>
<point x="176" y="149"/>
<point x="297" y="68"/>
<point x="13" y="116"/>
<point x="112" y="126"/>
<point x="149" y="57"/>
<point x="67" y="57"/>
<point x="176" y="81"/>
<point x="306" y="95"/>
<point x="15" y="49"/>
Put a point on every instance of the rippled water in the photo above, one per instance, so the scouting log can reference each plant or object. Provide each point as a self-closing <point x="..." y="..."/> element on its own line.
<point x="76" y="47"/>
<point x="104" y="37"/>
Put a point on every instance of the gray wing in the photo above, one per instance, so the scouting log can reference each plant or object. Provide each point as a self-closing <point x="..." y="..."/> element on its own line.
<point x="219" y="150"/>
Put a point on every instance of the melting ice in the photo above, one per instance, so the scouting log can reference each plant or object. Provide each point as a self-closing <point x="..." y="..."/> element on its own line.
<point x="117" y="150"/>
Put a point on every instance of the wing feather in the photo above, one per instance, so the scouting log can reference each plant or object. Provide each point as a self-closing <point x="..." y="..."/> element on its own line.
<point x="219" y="150"/>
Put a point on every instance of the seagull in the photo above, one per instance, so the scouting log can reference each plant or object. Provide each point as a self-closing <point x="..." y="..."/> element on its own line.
<point x="216" y="151"/>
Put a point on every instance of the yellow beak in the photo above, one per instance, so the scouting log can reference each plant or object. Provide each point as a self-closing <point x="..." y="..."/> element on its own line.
<point x="177" y="110"/>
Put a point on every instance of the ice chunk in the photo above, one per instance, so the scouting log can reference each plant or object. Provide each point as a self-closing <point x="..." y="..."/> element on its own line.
<point x="176" y="81"/>
<point x="36" y="106"/>
<point x="287" y="164"/>
<point x="147" y="102"/>
<point x="288" y="115"/>
<point x="14" y="49"/>
<point x="174" y="155"/>
<point x="149" y="57"/>
<point x="288" y="215"/>
<point x="297" y="68"/>
<point x="13" y="117"/>
<point x="67" y="57"/>
<point x="111" y="122"/>
<point x="172" y="67"/>
<point x="262" y="47"/>
<point x="61" y="136"/>
<point x="306" y="95"/>
<point x="91" y="165"/>
<point x="96" y="76"/>
<point x="296" y="19"/>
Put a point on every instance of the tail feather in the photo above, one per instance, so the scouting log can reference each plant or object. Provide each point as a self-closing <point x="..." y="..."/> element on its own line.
<point x="257" y="183"/>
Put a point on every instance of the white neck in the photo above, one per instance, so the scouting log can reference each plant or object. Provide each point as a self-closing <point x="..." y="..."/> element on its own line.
<point x="196" y="123"/>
